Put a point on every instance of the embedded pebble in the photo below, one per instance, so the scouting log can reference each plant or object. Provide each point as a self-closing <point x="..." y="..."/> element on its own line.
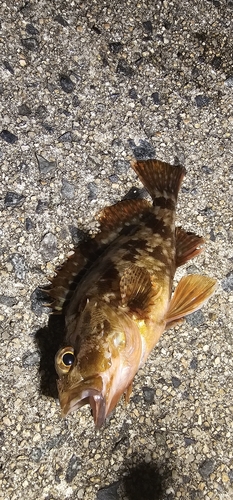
<point x="227" y="282"/>
<point x="19" y="265"/>
<point x="67" y="189"/>
<point x="66" y="83"/>
<point x="147" y="25"/>
<point x="144" y="151"/>
<point x="196" y="318"/>
<point x="202" y="101"/>
<point x="74" y="466"/>
<point x="41" y="206"/>
<point x="13" y="199"/>
<point x="31" y="44"/>
<point x="93" y="191"/>
<point x="24" y="110"/>
<point x="30" y="359"/>
<point x="121" y="166"/>
<point x="124" y="68"/>
<point x="60" y="19"/>
<point x="36" y="454"/>
<point x="207" y="467"/>
<point x="229" y="81"/>
<point x="8" y="301"/>
<point x="77" y="234"/>
<point x="193" y="364"/>
<point x="75" y="101"/>
<point x="48" y="247"/>
<point x="7" y="136"/>
<point x="8" y="67"/>
<point x="66" y="137"/>
<point x="115" y="47"/>
<point x="41" y="111"/>
<point x="31" y="29"/>
<point x="216" y="62"/>
<point x="176" y="382"/>
<point x="109" y="492"/>
<point x="133" y="94"/>
<point x="148" y="395"/>
<point x="45" y="166"/>
<point x="155" y="98"/>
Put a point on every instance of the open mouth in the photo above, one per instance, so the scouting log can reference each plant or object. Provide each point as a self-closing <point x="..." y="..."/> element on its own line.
<point x="87" y="392"/>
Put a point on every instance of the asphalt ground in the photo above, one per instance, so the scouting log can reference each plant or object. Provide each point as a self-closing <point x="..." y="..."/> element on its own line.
<point x="85" y="88"/>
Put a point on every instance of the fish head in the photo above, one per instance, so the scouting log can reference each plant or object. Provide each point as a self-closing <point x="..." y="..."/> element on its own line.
<point x="102" y="367"/>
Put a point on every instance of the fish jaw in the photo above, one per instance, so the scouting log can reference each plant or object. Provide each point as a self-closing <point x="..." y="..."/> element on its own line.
<point x="86" y="392"/>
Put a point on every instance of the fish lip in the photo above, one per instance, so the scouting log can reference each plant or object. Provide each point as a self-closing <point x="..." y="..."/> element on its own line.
<point x="82" y="395"/>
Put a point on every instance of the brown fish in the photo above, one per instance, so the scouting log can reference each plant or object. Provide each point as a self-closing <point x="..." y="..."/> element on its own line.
<point x="115" y="292"/>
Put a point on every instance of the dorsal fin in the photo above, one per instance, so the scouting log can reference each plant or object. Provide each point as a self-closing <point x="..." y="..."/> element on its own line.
<point x="187" y="246"/>
<point x="69" y="274"/>
<point x="159" y="178"/>
<point x="112" y="221"/>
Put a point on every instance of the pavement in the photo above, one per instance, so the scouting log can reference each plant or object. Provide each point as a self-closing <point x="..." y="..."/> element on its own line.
<point x="85" y="88"/>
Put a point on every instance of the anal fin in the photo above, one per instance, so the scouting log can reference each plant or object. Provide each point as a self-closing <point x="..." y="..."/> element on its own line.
<point x="188" y="245"/>
<point x="190" y="294"/>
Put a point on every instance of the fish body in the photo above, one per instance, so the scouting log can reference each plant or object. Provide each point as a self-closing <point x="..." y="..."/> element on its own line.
<point x="115" y="292"/>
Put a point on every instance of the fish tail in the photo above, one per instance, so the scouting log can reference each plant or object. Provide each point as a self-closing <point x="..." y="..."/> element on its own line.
<point x="159" y="178"/>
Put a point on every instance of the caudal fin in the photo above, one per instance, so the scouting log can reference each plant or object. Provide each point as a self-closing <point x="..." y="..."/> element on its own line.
<point x="159" y="178"/>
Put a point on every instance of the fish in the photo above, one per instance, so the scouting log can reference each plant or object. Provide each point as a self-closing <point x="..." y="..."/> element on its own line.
<point x="116" y="293"/>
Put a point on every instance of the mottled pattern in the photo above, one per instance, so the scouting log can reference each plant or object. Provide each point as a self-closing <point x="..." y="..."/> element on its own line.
<point x="115" y="292"/>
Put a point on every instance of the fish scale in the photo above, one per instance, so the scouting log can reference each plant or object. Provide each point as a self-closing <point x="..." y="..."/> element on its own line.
<point x="115" y="293"/>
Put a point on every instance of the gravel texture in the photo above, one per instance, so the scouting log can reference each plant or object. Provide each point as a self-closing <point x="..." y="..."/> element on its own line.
<point x="85" y="87"/>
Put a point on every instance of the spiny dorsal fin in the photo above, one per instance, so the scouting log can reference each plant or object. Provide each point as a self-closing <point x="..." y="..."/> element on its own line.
<point x="187" y="246"/>
<point x="190" y="294"/>
<point x="135" y="287"/>
<point x="112" y="219"/>
<point x="69" y="274"/>
<point x="159" y="178"/>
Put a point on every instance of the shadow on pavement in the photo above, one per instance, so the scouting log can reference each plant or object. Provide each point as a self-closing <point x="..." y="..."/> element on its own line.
<point x="49" y="340"/>
<point x="145" y="482"/>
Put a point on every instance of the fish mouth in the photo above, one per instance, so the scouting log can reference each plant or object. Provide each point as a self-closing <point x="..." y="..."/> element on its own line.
<point x="86" y="392"/>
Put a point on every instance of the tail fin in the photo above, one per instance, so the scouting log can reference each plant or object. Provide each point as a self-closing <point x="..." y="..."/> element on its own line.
<point x="159" y="178"/>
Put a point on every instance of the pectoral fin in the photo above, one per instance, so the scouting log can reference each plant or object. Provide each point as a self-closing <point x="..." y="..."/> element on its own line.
<point x="190" y="294"/>
<point x="135" y="287"/>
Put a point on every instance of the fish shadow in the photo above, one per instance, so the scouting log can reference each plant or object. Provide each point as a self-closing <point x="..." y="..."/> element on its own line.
<point x="48" y="340"/>
<point x="145" y="481"/>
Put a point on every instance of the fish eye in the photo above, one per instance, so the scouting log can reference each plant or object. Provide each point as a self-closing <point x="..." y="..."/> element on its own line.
<point x="64" y="360"/>
<point x="68" y="358"/>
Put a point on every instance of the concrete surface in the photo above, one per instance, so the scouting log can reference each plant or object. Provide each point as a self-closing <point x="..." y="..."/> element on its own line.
<point x="85" y="87"/>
